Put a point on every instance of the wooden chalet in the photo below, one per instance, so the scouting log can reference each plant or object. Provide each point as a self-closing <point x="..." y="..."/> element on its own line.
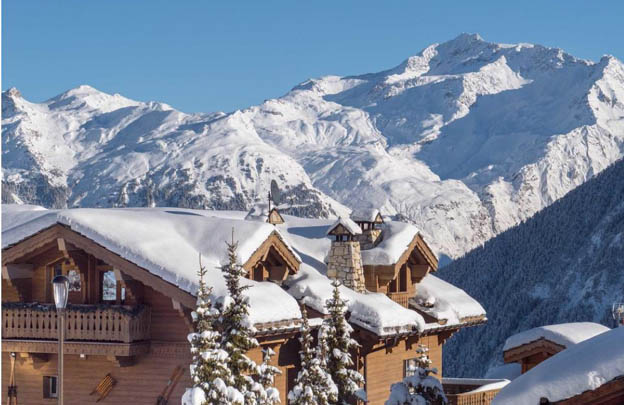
<point x="589" y="371"/>
<point x="131" y="297"/>
<point x="531" y="347"/>
<point x="122" y="320"/>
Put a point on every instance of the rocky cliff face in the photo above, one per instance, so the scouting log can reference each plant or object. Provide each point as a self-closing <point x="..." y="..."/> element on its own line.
<point x="465" y="139"/>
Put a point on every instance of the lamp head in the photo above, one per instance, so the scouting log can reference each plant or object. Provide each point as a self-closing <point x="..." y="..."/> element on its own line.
<point x="60" y="287"/>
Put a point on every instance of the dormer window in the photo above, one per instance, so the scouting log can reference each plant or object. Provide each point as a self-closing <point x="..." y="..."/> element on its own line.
<point x="273" y="261"/>
<point x="400" y="282"/>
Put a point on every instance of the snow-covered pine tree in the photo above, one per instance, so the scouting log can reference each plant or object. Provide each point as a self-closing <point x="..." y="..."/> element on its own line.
<point x="421" y="387"/>
<point x="335" y="333"/>
<point x="237" y="331"/>
<point x="313" y="385"/>
<point x="209" y="371"/>
<point x="266" y="378"/>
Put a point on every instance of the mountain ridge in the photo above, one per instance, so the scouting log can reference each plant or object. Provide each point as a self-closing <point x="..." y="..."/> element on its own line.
<point x="465" y="139"/>
<point x="562" y="265"/>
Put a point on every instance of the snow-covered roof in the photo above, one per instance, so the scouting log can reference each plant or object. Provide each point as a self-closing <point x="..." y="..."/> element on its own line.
<point x="372" y="311"/>
<point x="442" y="300"/>
<point x="397" y="236"/>
<point x="259" y="212"/>
<point x="564" y="334"/>
<point x="166" y="242"/>
<point x="365" y="215"/>
<point x="348" y="224"/>
<point x="481" y="384"/>
<point x="582" y="367"/>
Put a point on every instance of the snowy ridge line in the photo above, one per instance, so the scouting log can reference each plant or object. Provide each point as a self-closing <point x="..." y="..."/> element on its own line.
<point x="418" y="140"/>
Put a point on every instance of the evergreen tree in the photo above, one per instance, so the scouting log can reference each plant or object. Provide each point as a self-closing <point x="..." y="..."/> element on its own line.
<point x="209" y="369"/>
<point x="237" y="331"/>
<point x="266" y="377"/>
<point x="336" y="344"/>
<point x="421" y="387"/>
<point x="313" y="385"/>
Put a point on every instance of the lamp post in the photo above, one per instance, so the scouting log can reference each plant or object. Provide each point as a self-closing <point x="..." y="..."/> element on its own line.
<point x="60" y="287"/>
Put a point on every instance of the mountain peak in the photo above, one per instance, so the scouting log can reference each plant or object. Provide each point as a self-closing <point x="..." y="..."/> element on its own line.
<point x="467" y="37"/>
<point x="83" y="90"/>
<point x="13" y="92"/>
<point x="90" y="97"/>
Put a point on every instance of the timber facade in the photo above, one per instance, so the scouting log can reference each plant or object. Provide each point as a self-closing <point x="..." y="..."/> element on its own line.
<point x="131" y="325"/>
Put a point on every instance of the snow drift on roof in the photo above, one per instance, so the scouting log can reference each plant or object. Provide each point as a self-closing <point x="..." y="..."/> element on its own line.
<point x="442" y="300"/>
<point x="372" y="311"/>
<point x="579" y="368"/>
<point x="166" y="242"/>
<point x="396" y="238"/>
<point x="365" y="215"/>
<point x="564" y="334"/>
<point x="348" y="224"/>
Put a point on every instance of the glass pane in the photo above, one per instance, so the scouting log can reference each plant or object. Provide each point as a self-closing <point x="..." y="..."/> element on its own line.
<point x="53" y="387"/>
<point x="109" y="286"/>
<point x="410" y="367"/>
<point x="74" y="280"/>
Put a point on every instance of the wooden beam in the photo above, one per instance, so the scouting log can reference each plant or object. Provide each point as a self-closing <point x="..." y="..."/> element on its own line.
<point x="536" y="347"/>
<point x="122" y="361"/>
<point x="185" y="313"/>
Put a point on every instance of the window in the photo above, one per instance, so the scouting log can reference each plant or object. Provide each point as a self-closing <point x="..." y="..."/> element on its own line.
<point x="74" y="280"/>
<point x="399" y="283"/>
<point x="258" y="273"/>
<point x="403" y="278"/>
<point x="109" y="290"/>
<point x="49" y="387"/>
<point x="409" y="367"/>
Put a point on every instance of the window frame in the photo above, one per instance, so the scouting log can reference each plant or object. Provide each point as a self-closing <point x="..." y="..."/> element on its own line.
<point x="50" y="387"/>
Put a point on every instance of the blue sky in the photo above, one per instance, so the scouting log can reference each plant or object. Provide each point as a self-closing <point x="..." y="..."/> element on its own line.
<point x="209" y="55"/>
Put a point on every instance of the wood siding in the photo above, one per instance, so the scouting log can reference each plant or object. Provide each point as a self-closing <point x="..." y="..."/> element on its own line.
<point x="383" y="367"/>
<point x="138" y="384"/>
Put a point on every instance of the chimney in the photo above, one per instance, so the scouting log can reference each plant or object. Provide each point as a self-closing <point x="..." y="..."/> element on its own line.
<point x="369" y="221"/>
<point x="344" y="262"/>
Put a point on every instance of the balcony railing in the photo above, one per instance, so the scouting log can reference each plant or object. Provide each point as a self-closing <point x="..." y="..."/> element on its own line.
<point x="472" y="398"/>
<point x="472" y="391"/>
<point x="105" y="323"/>
<point x="401" y="298"/>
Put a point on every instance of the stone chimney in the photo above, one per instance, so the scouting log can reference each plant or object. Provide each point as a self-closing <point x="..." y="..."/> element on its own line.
<point x="369" y="221"/>
<point x="344" y="262"/>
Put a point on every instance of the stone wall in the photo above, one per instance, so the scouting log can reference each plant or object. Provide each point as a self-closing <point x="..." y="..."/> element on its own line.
<point x="345" y="264"/>
<point x="369" y="238"/>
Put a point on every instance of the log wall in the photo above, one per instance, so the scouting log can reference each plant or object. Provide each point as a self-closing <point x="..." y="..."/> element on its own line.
<point x="383" y="367"/>
<point x="138" y="384"/>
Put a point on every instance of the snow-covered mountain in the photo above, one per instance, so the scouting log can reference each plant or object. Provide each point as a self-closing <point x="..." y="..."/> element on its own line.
<point x="465" y="139"/>
<point x="565" y="264"/>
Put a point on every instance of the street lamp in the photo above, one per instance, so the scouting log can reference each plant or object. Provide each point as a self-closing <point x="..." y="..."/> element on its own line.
<point x="60" y="287"/>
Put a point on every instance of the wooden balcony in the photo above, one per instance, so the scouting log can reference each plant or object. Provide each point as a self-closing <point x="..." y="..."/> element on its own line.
<point x="472" y="398"/>
<point x="401" y="298"/>
<point x="85" y="323"/>
<point x="467" y="391"/>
